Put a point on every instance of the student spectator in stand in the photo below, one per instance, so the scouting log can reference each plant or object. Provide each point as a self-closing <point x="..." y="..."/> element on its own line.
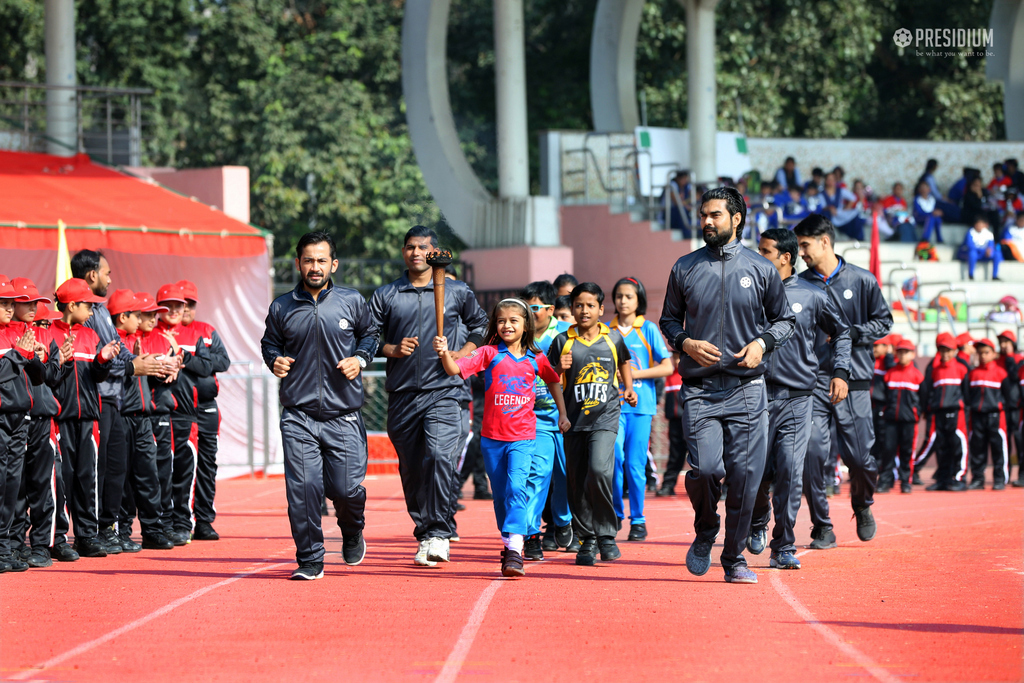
<point x="1013" y="239"/>
<point x="942" y="398"/>
<point x="950" y="210"/>
<point x="1009" y="206"/>
<point x="976" y="205"/>
<point x="902" y="412"/>
<point x="564" y="284"/>
<point x="1015" y="175"/>
<point x="676" y="442"/>
<point x="814" y="199"/>
<point x="795" y="209"/>
<point x="677" y="195"/>
<point x="840" y="174"/>
<point x="896" y="211"/>
<point x="987" y="396"/>
<point x="957" y="189"/>
<point x="980" y="245"/>
<point x="563" y="309"/>
<point x="840" y="205"/>
<point x="817" y="179"/>
<point x="1000" y="181"/>
<point x="788" y="176"/>
<point x="927" y="212"/>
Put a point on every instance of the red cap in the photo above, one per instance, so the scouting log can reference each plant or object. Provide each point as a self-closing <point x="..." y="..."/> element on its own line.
<point x="189" y="289"/>
<point x="171" y="293"/>
<point x="964" y="338"/>
<point x="27" y="291"/>
<point x="77" y="290"/>
<point x="123" y="301"/>
<point x="945" y="341"/>
<point x="149" y="305"/>
<point x="906" y="345"/>
<point x="887" y="339"/>
<point x="986" y="342"/>
<point x="43" y="312"/>
<point x="6" y="290"/>
<point x="1008" y="334"/>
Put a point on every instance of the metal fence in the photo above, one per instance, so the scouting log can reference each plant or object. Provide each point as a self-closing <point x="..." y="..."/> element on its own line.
<point x="108" y="122"/>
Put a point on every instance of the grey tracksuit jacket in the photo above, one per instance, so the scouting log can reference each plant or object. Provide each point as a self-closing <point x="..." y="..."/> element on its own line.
<point x="856" y="294"/>
<point x="793" y="367"/>
<point x="319" y="334"/>
<point x="728" y="296"/>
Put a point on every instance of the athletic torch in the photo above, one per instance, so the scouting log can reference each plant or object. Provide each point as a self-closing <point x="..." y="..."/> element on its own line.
<point x="438" y="260"/>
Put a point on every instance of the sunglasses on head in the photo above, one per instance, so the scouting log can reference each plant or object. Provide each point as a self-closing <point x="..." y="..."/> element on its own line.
<point x="536" y="307"/>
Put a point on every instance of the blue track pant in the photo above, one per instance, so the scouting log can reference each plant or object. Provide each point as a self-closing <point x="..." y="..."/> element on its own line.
<point x="547" y="470"/>
<point x="631" y="446"/>
<point x="508" y="467"/>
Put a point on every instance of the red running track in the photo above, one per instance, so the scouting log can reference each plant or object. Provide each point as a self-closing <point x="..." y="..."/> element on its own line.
<point x="937" y="596"/>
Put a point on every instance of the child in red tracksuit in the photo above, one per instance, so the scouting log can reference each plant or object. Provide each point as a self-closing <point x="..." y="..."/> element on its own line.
<point x="987" y="394"/>
<point x="942" y="398"/>
<point x="79" y="398"/>
<point x="902" y="411"/>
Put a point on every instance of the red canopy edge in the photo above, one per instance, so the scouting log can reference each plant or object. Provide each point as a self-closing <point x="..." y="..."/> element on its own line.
<point x="141" y="240"/>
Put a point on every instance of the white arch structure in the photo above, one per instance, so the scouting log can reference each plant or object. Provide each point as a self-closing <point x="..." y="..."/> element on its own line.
<point x="1007" y="24"/>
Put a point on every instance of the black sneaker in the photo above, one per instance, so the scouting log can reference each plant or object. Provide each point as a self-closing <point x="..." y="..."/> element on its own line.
<point x="883" y="488"/>
<point x="587" y="554"/>
<point x="16" y="563"/>
<point x="976" y="485"/>
<point x="22" y="552"/>
<point x="609" y="549"/>
<point x="459" y="507"/>
<point x="865" y="524"/>
<point x="156" y="541"/>
<point x="937" y="486"/>
<point x="308" y="571"/>
<point x="179" y="537"/>
<point x="957" y="486"/>
<point x="204" y="531"/>
<point x="482" y="494"/>
<point x="698" y="557"/>
<point x="998" y="486"/>
<point x="512" y="564"/>
<point x="822" y="538"/>
<point x="127" y="544"/>
<point x="353" y="549"/>
<point x="574" y="547"/>
<point x="532" y="548"/>
<point x="90" y="547"/>
<point x="905" y="487"/>
<point x="39" y="557"/>
<point x="665" y="491"/>
<point x="4" y="567"/>
<point x="563" y="536"/>
<point x="1017" y="483"/>
<point x="757" y="541"/>
<point x="108" y="537"/>
<point x="548" y="541"/>
<point x="637" y="532"/>
<point x="62" y="552"/>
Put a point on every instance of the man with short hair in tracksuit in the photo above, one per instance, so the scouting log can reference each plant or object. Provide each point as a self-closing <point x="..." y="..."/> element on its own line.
<point x="207" y="417"/>
<point x="790" y="381"/>
<point x="856" y="294"/>
<point x="319" y="338"/>
<point x="424" y="414"/>
<point x="942" y="397"/>
<point x="725" y="306"/>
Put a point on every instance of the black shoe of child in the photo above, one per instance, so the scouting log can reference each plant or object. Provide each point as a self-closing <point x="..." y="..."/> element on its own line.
<point x="637" y="532"/>
<point x="609" y="549"/>
<point x="587" y="555"/>
<point x="548" y="542"/>
<point x="532" y="549"/>
<point x="512" y="564"/>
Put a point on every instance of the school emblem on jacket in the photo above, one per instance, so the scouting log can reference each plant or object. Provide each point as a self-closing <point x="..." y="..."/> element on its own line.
<point x="745" y="282"/>
<point x="797" y="307"/>
<point x="848" y="294"/>
<point x="343" y="324"/>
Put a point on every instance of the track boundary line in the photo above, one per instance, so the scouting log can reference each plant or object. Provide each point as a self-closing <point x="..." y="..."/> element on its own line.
<point x="141" y="621"/>
<point x="828" y="634"/>
<point x="450" y="671"/>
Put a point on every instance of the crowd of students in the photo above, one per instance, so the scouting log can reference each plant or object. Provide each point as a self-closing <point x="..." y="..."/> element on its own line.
<point x="108" y="413"/>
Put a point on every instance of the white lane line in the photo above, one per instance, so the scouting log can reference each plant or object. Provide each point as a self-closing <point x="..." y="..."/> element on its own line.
<point x="453" y="664"/>
<point x="831" y="636"/>
<point x="85" y="647"/>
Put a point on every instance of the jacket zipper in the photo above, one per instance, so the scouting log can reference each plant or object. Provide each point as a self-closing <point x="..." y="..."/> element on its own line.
<point x="319" y="358"/>
<point x="721" y="318"/>
<point x="419" y="332"/>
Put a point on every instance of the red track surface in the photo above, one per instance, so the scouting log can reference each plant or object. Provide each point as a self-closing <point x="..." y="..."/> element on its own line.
<point x="937" y="596"/>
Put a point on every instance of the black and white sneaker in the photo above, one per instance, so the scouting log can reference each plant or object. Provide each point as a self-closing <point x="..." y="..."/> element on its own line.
<point x="757" y="540"/>
<point x="353" y="549"/>
<point x="563" y="536"/>
<point x="532" y="549"/>
<point x="308" y="571"/>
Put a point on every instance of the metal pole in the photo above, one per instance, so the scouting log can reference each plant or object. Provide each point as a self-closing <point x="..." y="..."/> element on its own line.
<point x="248" y="424"/>
<point x="59" y="30"/>
<point x="510" y="89"/>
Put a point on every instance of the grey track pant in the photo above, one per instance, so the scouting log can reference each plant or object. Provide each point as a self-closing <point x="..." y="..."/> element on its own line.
<point x="788" y="433"/>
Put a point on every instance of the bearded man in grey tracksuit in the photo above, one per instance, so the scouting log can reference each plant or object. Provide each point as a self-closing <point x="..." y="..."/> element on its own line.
<point x="319" y="338"/>
<point x="725" y="306"/>
<point x="791" y="376"/>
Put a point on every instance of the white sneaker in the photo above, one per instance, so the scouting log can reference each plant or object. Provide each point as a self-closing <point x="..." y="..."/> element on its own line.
<point x="421" y="558"/>
<point x="437" y="550"/>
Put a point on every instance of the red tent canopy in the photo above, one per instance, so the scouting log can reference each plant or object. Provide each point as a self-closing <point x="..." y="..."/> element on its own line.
<point x="105" y="209"/>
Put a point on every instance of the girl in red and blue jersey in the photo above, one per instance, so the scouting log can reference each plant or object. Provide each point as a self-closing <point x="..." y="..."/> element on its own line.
<point x="511" y="363"/>
<point x="649" y="359"/>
